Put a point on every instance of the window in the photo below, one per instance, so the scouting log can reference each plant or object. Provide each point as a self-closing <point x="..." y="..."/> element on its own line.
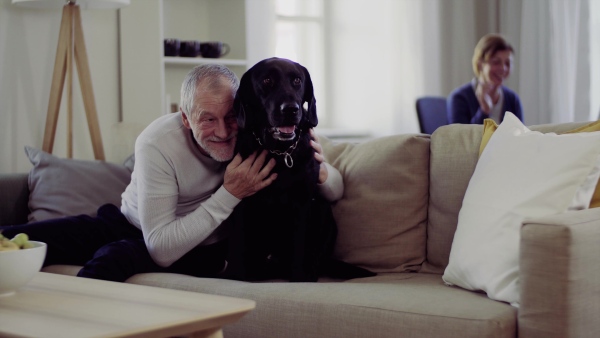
<point x="300" y="23"/>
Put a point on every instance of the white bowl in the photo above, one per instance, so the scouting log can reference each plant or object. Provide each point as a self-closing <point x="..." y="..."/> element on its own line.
<point x="17" y="267"/>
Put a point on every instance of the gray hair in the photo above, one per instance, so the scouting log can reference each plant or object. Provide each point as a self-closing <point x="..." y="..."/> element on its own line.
<point x="212" y="77"/>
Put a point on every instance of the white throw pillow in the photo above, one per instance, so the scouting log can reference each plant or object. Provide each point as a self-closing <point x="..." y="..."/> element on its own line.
<point x="520" y="174"/>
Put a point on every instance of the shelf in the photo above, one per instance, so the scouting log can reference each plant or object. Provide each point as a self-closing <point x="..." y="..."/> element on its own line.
<point x="170" y="60"/>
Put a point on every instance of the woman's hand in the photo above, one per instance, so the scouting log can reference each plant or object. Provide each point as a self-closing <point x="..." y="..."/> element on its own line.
<point x="483" y="96"/>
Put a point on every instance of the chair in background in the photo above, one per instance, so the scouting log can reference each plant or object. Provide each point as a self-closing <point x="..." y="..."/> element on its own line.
<point x="431" y="111"/>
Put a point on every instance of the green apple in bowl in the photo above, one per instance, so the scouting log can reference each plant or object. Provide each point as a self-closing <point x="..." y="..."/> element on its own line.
<point x="20" y="260"/>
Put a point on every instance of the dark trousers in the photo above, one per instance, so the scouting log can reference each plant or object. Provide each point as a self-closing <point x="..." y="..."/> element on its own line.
<point x="110" y="248"/>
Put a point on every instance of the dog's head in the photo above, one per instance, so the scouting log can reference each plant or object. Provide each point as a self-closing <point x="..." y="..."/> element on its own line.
<point x="271" y="100"/>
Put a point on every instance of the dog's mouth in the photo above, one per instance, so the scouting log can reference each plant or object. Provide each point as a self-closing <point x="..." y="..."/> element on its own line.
<point x="283" y="133"/>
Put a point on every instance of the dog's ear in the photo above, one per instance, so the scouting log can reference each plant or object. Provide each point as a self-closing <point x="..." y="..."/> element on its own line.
<point x="244" y="101"/>
<point x="309" y="96"/>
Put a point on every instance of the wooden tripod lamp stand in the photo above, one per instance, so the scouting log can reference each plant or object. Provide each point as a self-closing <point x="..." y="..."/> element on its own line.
<point x="71" y="44"/>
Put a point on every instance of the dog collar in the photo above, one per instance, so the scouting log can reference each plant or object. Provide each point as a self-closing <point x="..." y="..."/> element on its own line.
<point x="287" y="159"/>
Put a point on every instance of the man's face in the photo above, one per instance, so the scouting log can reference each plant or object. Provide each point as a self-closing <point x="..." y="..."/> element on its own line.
<point x="213" y="123"/>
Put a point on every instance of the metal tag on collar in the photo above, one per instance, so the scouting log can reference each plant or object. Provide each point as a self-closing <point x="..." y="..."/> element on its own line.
<point x="289" y="162"/>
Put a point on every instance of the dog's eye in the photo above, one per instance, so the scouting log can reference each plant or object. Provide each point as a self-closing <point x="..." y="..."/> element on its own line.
<point x="268" y="81"/>
<point x="297" y="81"/>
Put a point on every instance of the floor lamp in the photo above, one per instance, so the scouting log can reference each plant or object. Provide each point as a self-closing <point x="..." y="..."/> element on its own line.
<point x="71" y="45"/>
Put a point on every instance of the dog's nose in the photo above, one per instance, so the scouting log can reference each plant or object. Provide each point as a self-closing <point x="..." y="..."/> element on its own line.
<point x="290" y="108"/>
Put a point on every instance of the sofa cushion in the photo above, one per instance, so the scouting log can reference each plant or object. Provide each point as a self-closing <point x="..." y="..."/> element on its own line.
<point x="61" y="187"/>
<point x="381" y="216"/>
<point x="490" y="126"/>
<point x="517" y="177"/>
<point x="454" y="155"/>
<point x="400" y="305"/>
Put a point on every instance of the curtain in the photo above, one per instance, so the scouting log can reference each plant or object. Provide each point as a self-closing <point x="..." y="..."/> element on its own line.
<point x="554" y="78"/>
<point x="570" y="60"/>
<point x="533" y="59"/>
<point x="594" y="39"/>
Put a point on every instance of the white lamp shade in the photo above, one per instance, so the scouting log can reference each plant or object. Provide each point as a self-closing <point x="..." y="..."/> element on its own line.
<point x="84" y="4"/>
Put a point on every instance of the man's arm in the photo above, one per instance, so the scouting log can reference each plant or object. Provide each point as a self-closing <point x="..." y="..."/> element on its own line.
<point x="169" y="236"/>
<point x="331" y="184"/>
<point x="333" y="188"/>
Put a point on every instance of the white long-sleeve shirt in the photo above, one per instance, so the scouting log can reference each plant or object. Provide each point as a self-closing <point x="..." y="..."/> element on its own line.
<point x="176" y="195"/>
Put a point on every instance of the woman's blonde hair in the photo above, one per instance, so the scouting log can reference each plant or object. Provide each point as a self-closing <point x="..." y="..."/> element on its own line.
<point x="487" y="46"/>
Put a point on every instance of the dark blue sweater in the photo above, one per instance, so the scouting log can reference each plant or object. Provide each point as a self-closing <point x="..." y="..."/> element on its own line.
<point x="463" y="106"/>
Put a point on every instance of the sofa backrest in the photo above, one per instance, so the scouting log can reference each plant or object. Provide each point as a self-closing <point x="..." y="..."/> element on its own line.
<point x="454" y="154"/>
<point x="14" y="195"/>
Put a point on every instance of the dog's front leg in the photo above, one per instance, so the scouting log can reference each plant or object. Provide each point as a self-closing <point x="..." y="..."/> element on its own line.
<point x="303" y="266"/>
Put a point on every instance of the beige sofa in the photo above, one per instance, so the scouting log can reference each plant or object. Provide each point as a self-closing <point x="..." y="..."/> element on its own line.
<point x="398" y="216"/>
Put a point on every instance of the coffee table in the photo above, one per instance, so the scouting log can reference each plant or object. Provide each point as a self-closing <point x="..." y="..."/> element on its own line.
<point x="53" y="305"/>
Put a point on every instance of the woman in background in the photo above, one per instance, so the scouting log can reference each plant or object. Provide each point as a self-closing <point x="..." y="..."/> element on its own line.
<point x="486" y="96"/>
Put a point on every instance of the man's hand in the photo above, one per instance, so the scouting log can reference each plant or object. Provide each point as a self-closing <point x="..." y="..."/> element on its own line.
<point x="245" y="178"/>
<point x="318" y="156"/>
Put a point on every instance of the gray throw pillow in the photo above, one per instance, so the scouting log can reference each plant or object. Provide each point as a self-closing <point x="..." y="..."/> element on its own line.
<point x="61" y="187"/>
<point x="129" y="162"/>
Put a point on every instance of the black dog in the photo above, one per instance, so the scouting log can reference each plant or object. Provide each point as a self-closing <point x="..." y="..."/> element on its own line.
<point x="286" y="230"/>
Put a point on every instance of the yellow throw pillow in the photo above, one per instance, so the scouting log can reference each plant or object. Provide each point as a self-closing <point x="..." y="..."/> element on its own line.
<point x="490" y="126"/>
<point x="594" y="126"/>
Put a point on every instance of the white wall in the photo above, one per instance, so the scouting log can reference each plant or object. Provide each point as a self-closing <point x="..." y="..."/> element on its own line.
<point x="28" y="39"/>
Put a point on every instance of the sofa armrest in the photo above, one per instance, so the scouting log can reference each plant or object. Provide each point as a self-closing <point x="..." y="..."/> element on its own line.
<point x="14" y="198"/>
<point x="560" y="275"/>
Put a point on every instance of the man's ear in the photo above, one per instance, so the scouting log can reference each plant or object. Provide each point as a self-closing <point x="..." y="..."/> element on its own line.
<point x="309" y="97"/>
<point x="185" y="119"/>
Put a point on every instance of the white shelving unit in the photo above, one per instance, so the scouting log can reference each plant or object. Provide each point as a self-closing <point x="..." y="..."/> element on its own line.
<point x="150" y="82"/>
<point x="202" y="20"/>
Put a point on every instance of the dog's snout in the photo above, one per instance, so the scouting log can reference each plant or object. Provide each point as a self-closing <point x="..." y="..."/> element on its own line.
<point x="290" y="108"/>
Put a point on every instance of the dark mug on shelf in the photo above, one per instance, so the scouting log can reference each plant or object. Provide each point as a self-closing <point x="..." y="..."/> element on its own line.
<point x="214" y="49"/>
<point x="190" y="48"/>
<point x="171" y="47"/>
